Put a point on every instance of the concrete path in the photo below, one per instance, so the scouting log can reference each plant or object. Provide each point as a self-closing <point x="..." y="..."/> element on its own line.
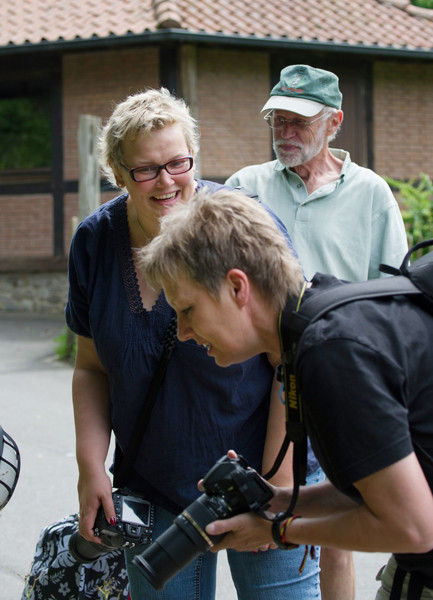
<point x="35" y="409"/>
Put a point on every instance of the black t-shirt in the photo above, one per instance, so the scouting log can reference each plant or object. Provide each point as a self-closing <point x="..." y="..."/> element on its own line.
<point x="366" y="377"/>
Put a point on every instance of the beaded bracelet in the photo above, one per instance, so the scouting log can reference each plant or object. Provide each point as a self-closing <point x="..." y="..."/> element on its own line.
<point x="279" y="533"/>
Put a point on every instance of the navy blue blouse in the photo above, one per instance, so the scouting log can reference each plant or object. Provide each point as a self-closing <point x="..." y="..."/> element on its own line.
<point x="201" y="411"/>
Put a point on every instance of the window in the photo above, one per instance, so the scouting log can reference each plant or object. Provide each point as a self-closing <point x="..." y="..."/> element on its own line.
<point x="25" y="132"/>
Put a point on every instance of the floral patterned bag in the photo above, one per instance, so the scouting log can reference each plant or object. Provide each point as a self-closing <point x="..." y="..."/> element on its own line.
<point x="56" y="575"/>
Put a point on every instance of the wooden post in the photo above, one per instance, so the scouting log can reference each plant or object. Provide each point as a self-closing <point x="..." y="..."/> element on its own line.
<point x="89" y="190"/>
<point x="89" y="194"/>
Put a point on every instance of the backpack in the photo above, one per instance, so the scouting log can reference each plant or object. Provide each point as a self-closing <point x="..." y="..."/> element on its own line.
<point x="411" y="280"/>
<point x="408" y="280"/>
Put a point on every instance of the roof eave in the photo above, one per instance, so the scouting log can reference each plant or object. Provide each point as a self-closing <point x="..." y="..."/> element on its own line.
<point x="184" y="36"/>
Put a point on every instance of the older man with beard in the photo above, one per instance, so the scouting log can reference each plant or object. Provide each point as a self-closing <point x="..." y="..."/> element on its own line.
<point x="342" y="218"/>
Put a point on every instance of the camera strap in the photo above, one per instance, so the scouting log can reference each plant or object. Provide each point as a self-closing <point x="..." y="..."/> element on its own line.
<point x="295" y="428"/>
<point x="123" y="462"/>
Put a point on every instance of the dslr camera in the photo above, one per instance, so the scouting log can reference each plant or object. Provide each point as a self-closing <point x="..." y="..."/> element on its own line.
<point x="231" y="488"/>
<point x="134" y="524"/>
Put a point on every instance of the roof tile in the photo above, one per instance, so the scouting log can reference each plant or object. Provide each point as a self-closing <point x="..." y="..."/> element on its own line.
<point x="381" y="23"/>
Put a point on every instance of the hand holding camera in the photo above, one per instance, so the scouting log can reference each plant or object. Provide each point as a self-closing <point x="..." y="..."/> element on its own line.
<point x="134" y="524"/>
<point x="231" y="488"/>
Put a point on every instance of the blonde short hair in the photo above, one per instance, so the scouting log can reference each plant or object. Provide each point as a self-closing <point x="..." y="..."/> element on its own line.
<point x="213" y="233"/>
<point x="143" y="113"/>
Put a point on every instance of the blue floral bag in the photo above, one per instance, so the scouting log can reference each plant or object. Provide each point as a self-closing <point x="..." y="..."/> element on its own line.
<point x="55" y="574"/>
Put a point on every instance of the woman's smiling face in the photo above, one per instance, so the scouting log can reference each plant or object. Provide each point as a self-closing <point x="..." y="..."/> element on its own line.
<point x="155" y="198"/>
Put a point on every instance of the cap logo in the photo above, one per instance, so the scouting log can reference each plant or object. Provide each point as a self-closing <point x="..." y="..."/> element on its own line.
<point x="292" y="89"/>
<point x="293" y="85"/>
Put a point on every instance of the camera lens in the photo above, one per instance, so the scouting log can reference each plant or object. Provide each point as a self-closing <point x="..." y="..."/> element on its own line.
<point x="84" y="551"/>
<point x="182" y="542"/>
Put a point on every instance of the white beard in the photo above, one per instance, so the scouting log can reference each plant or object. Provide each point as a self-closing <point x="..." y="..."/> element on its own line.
<point x="305" y="150"/>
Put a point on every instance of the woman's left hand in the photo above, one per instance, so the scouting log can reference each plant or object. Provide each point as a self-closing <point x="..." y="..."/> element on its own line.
<point x="246" y="532"/>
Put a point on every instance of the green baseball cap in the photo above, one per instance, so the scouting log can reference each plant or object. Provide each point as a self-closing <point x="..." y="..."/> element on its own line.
<point x="305" y="90"/>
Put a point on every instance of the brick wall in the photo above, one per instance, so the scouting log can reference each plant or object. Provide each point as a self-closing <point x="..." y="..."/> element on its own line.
<point x="232" y="88"/>
<point x="26" y="226"/>
<point x="71" y="212"/>
<point x="94" y="82"/>
<point x="403" y="118"/>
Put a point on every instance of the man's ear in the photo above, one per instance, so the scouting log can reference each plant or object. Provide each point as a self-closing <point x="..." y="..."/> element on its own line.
<point x="335" y="121"/>
<point x="240" y="286"/>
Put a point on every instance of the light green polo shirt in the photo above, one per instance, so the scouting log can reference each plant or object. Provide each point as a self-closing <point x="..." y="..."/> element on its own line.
<point x="345" y="228"/>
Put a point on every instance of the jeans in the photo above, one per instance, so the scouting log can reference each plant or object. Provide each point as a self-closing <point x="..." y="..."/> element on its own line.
<point x="386" y="577"/>
<point x="270" y="575"/>
<point x="197" y="581"/>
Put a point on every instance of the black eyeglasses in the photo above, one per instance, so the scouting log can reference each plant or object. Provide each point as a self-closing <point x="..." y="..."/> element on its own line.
<point x="149" y="172"/>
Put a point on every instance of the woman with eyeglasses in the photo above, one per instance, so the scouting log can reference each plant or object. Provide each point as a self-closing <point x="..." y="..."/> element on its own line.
<point x="148" y="148"/>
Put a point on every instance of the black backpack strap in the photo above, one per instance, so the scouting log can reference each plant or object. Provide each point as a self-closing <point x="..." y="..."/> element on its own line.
<point x="319" y="304"/>
<point x="415" y="586"/>
<point x="408" y="280"/>
<point x="397" y="584"/>
<point x="421" y="271"/>
<point x="123" y="463"/>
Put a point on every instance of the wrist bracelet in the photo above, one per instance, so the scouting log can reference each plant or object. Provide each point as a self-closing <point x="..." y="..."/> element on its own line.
<point x="279" y="533"/>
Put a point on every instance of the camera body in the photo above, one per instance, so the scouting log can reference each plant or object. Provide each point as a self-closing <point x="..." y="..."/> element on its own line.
<point x="134" y="521"/>
<point x="134" y="524"/>
<point x="231" y="488"/>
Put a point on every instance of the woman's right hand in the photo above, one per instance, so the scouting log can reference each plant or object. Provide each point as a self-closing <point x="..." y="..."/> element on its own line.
<point x="92" y="492"/>
<point x="91" y="401"/>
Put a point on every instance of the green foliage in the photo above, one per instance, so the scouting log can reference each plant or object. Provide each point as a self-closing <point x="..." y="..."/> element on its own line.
<point x="28" y="589"/>
<point x="25" y="131"/>
<point x="415" y="198"/>
<point x="66" y="345"/>
<point x="107" y="589"/>
<point x="422" y="3"/>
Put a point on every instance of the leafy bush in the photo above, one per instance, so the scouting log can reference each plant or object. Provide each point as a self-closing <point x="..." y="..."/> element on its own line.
<point x="25" y="130"/>
<point x="415" y="198"/>
<point x="66" y="345"/>
<point x="422" y="3"/>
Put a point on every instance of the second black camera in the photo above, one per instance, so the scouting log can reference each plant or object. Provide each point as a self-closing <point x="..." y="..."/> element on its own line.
<point x="231" y="488"/>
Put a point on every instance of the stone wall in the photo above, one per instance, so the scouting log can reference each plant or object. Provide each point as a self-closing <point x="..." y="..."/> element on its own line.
<point x="38" y="293"/>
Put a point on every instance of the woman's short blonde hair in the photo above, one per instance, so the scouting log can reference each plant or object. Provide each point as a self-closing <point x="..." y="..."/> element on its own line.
<point x="143" y="113"/>
<point x="213" y="233"/>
